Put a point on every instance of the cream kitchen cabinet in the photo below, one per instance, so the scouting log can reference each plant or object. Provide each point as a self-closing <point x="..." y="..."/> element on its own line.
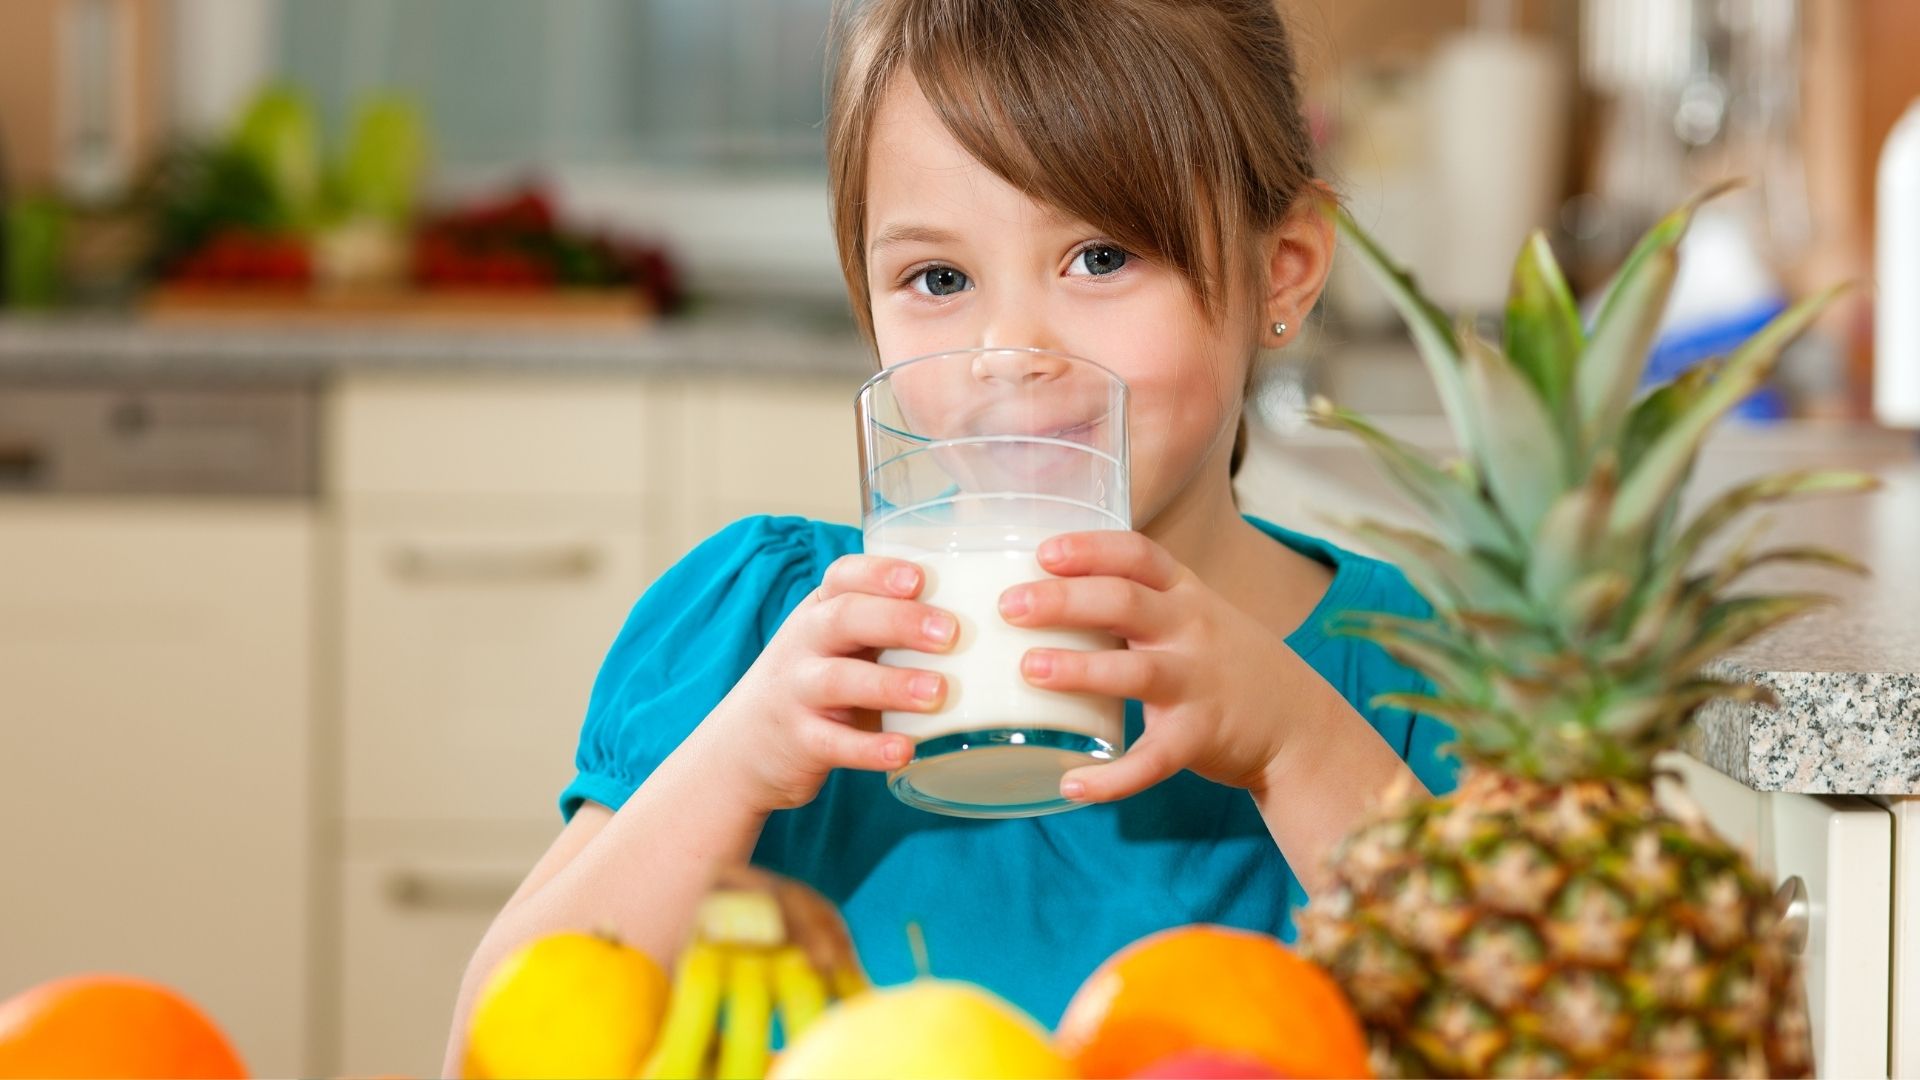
<point x="765" y="446"/>
<point x="156" y="689"/>
<point x="468" y="649"/>
<point x="1833" y="856"/>
<point x="414" y="904"/>
<point x="487" y="537"/>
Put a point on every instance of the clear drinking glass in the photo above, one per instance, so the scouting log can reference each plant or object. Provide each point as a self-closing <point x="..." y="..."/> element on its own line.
<point x="968" y="460"/>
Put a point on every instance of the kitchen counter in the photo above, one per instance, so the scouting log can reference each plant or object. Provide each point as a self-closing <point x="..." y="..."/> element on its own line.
<point x="774" y="341"/>
<point x="1848" y="677"/>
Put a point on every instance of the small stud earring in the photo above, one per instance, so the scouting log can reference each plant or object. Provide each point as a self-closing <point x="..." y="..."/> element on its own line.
<point x="1279" y="329"/>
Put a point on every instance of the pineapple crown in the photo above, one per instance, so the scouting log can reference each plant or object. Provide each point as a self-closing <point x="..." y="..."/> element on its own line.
<point x="1571" y="622"/>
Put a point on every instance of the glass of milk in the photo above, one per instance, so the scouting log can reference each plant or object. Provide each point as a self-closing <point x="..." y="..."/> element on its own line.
<point x="968" y="460"/>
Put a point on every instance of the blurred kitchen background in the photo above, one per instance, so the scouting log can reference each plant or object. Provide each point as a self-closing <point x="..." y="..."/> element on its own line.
<point x="362" y="360"/>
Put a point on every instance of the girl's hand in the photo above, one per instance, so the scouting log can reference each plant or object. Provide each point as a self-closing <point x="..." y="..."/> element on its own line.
<point x="1211" y="678"/>
<point x="808" y="704"/>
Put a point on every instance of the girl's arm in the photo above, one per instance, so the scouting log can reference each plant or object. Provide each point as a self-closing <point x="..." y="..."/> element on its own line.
<point x="640" y="871"/>
<point x="1326" y="777"/>
<point x="768" y="745"/>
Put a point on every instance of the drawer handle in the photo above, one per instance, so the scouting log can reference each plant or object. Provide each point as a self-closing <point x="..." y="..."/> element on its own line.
<point x="1796" y="913"/>
<point x="428" y="566"/>
<point x="424" y="890"/>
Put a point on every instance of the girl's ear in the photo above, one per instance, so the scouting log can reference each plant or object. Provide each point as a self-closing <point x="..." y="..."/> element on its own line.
<point x="1298" y="253"/>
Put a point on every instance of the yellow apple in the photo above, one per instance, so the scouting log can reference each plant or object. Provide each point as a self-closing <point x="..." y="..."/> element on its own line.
<point x="929" y="1029"/>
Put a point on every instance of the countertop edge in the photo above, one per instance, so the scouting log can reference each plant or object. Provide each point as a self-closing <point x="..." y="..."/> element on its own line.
<point x="1833" y="733"/>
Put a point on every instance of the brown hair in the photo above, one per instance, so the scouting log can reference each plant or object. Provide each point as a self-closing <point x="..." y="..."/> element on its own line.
<point x="1173" y="125"/>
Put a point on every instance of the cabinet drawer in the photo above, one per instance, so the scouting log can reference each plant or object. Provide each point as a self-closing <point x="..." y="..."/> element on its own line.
<point x="468" y="656"/>
<point x="488" y="436"/>
<point x="408" y="927"/>
<point x="772" y="447"/>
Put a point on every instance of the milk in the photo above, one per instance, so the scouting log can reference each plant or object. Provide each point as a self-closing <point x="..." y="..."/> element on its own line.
<point x="985" y="688"/>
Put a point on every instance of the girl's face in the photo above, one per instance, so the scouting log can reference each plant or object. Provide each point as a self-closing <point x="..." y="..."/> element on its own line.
<point x="958" y="258"/>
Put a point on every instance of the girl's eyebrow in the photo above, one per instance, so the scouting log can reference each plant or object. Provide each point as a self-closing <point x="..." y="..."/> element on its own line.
<point x="901" y="232"/>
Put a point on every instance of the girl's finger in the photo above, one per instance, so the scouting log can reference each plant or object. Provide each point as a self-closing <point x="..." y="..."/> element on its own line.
<point x="1110" y="552"/>
<point x="838" y="746"/>
<point x="1116" y="605"/>
<point x="853" y="622"/>
<point x="873" y="574"/>
<point x="1121" y="673"/>
<point x="1142" y="766"/>
<point x="838" y="682"/>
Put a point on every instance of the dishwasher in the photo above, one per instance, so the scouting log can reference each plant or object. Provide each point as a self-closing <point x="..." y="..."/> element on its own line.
<point x="158" y="605"/>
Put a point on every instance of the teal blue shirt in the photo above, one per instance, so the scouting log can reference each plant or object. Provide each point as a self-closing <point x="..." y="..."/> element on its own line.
<point x="1026" y="907"/>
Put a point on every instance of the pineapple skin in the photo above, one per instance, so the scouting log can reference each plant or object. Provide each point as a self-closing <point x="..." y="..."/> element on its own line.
<point x="1524" y="928"/>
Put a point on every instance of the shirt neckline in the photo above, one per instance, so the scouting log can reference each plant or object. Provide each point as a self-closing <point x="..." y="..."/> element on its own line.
<point x="1349" y="571"/>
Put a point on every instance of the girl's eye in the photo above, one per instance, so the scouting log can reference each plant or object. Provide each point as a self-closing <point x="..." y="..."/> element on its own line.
<point x="1101" y="259"/>
<point x="941" y="281"/>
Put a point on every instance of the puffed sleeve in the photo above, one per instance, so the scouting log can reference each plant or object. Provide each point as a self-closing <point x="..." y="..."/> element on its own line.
<point x="687" y="641"/>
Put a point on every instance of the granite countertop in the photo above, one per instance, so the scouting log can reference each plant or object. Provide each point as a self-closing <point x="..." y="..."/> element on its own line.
<point x="1848" y="677"/>
<point x="772" y="341"/>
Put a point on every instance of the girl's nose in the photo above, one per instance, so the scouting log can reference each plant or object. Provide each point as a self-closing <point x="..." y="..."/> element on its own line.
<point x="1018" y="322"/>
<point x="1017" y="366"/>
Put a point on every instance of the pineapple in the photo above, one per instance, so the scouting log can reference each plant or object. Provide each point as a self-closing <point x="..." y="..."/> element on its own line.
<point x="1548" y="917"/>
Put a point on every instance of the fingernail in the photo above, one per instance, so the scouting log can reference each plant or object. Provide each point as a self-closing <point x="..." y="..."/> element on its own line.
<point x="1039" y="664"/>
<point x="895" y="753"/>
<point x="938" y="628"/>
<point x="1052" y="551"/>
<point x="1013" y="603"/>
<point x="904" y="580"/>
<point x="925" y="687"/>
<point x="1072" y="789"/>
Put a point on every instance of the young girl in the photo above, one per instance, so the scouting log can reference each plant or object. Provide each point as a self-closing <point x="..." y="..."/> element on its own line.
<point x="1124" y="180"/>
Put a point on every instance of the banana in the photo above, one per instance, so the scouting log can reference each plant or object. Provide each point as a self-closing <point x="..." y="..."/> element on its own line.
<point x="799" y="990"/>
<point x="742" y="917"/>
<point x="758" y="939"/>
<point x="686" y="1034"/>
<point x="849" y="980"/>
<point x="745" y="1042"/>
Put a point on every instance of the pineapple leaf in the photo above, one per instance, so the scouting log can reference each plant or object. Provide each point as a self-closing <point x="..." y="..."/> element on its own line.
<point x="1452" y="668"/>
<point x="1629" y="316"/>
<point x="1659" y="586"/>
<point x="1742" y="564"/>
<point x="1697" y="692"/>
<point x="1432" y="335"/>
<point x="1564" y="549"/>
<point x="1591" y="604"/>
<point x="1451" y="580"/>
<point x="1656" y="479"/>
<point x="1543" y="334"/>
<point x="1444" y="496"/>
<point x="1654" y="413"/>
<point x="1457" y="713"/>
<point x="1732" y="622"/>
<point x="1731" y="503"/>
<point x="1522" y="455"/>
<point x="1616" y="355"/>
<point x="1665" y="235"/>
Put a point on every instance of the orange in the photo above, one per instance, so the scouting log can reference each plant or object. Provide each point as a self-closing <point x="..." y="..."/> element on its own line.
<point x="1217" y="989"/>
<point x="110" y="1025"/>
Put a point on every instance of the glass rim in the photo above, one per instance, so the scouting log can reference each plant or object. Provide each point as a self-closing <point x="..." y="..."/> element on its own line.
<point x="878" y="377"/>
